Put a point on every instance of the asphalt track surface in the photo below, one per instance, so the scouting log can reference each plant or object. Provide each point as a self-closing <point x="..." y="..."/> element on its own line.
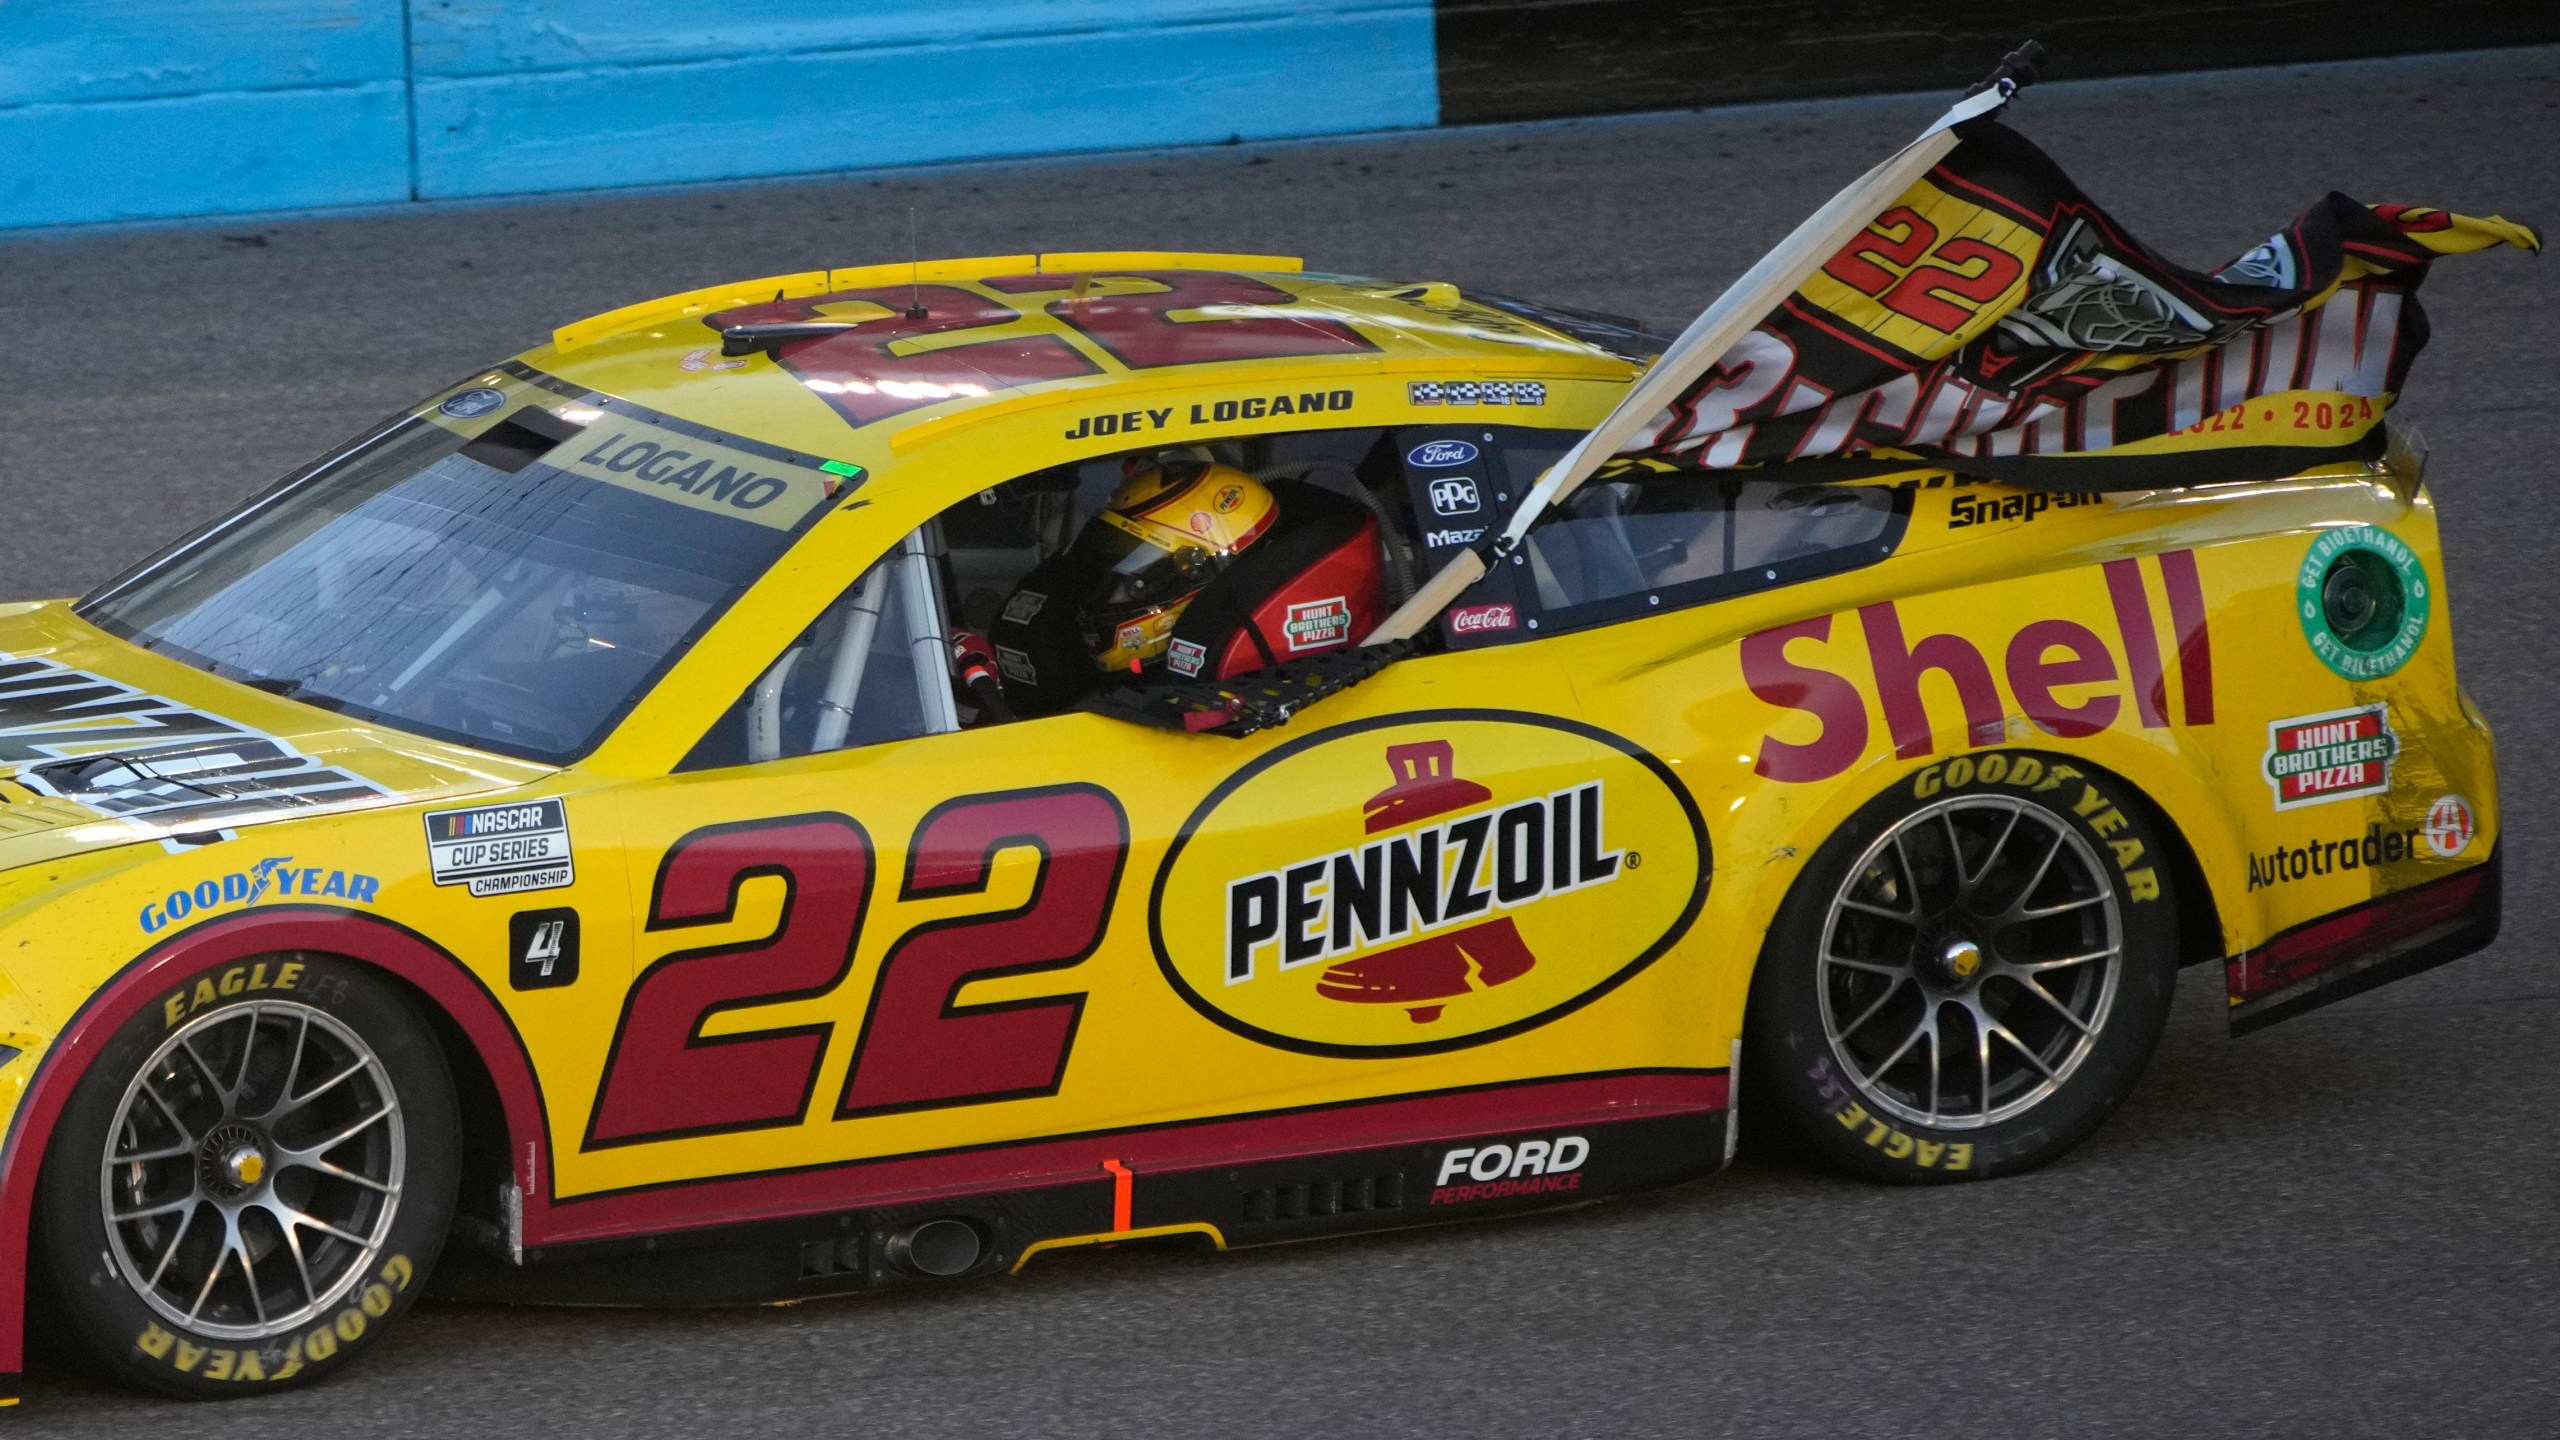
<point x="2340" y="1227"/>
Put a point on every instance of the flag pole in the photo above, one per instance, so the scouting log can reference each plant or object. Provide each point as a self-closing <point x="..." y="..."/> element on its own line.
<point x="1717" y="330"/>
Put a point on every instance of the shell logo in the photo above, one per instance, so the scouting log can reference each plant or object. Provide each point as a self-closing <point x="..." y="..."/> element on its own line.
<point x="1427" y="881"/>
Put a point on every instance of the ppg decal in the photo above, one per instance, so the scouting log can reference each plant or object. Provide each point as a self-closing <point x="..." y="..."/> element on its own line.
<point x="1455" y="495"/>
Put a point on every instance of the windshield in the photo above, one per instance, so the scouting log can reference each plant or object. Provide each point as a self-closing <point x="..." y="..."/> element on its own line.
<point x="510" y="567"/>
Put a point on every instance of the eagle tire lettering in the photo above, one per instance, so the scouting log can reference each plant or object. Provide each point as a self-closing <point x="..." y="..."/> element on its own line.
<point x="93" y="1301"/>
<point x="1815" y="1100"/>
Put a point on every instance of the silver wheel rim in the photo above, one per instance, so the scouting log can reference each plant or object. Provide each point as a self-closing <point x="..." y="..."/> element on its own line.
<point x="254" y="1170"/>
<point x="1969" y="962"/>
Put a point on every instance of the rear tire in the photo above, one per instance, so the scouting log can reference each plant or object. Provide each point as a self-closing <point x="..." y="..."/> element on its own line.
<point x="1970" y="975"/>
<point x="251" y="1182"/>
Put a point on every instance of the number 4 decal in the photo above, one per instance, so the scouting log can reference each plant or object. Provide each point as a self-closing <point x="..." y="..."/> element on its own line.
<point x="918" y="1048"/>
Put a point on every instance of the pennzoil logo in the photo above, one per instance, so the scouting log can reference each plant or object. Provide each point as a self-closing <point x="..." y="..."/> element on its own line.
<point x="1446" y="881"/>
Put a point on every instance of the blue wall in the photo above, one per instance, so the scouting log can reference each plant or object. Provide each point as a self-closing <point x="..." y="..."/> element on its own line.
<point x="131" y="109"/>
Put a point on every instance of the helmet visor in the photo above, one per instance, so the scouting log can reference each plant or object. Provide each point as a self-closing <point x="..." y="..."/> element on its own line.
<point x="1138" y="572"/>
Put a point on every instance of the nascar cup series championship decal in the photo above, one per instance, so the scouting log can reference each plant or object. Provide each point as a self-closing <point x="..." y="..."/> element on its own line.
<point x="502" y="849"/>
<point x="2363" y="597"/>
<point x="1425" y="882"/>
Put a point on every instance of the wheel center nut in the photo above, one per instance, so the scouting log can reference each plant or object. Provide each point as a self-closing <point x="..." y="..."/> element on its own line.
<point x="231" y="1161"/>
<point x="1959" y="960"/>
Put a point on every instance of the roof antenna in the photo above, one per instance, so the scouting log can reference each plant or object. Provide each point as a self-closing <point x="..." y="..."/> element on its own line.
<point x="915" y="264"/>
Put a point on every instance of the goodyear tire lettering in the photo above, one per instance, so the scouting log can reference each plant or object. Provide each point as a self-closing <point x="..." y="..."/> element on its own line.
<point x="2027" y="772"/>
<point x="289" y="1358"/>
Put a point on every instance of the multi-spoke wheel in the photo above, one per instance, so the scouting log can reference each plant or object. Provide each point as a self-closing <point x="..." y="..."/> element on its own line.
<point x="246" y="1196"/>
<point x="1969" y="975"/>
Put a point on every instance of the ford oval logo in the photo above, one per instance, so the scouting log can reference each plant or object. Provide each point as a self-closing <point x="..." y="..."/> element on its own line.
<point x="1440" y="454"/>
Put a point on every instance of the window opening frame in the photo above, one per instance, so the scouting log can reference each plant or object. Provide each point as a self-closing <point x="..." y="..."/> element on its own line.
<point x="1500" y="493"/>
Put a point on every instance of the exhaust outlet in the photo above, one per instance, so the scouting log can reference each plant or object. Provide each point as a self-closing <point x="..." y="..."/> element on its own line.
<point x="936" y="1249"/>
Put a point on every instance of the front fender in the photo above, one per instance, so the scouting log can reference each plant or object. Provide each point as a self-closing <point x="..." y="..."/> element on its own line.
<point x="153" y="981"/>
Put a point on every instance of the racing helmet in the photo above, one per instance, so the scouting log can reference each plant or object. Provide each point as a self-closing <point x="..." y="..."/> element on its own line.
<point x="1174" y="525"/>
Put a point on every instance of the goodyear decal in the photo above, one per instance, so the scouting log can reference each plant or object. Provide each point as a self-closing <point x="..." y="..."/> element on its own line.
<point x="1442" y="879"/>
<point x="276" y="876"/>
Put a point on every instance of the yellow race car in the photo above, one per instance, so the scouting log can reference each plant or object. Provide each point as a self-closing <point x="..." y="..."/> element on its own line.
<point x="862" y="777"/>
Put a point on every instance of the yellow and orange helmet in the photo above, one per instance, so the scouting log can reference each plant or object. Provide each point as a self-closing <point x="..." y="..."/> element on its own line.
<point x="1172" y="527"/>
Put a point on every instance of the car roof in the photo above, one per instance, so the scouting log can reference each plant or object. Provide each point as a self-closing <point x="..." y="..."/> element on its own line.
<point x="665" y="353"/>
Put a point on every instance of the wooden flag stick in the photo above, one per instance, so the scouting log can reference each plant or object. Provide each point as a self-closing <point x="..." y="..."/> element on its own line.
<point x="1717" y="330"/>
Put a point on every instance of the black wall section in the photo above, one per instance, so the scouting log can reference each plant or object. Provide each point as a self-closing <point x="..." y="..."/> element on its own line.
<point x="1536" y="59"/>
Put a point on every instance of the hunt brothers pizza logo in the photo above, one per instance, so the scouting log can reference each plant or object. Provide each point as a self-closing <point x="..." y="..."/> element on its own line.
<point x="2334" y="756"/>
<point x="1447" y="882"/>
<point x="1317" y="624"/>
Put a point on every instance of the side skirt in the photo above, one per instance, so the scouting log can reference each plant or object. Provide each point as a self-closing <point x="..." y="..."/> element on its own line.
<point x="1342" y="1193"/>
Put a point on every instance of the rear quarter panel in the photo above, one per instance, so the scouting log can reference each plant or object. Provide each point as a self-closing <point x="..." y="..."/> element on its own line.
<point x="2154" y="636"/>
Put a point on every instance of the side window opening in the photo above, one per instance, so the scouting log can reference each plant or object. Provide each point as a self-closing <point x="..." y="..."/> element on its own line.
<point x="1628" y="546"/>
<point x="874" y="667"/>
<point x="891" y="658"/>
<point x="1679" y="536"/>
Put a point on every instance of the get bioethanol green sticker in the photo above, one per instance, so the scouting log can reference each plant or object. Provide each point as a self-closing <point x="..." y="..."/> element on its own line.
<point x="2363" y="600"/>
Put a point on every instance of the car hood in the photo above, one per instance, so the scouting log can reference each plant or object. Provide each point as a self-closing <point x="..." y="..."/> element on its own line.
<point x="105" y="744"/>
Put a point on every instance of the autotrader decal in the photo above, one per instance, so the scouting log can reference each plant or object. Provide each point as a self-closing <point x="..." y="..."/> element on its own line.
<point x="1422" y="882"/>
<point x="2375" y="848"/>
<point x="2449" y="826"/>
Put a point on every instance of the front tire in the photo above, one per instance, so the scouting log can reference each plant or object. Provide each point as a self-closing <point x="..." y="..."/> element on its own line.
<point x="1970" y="975"/>
<point x="252" y="1180"/>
